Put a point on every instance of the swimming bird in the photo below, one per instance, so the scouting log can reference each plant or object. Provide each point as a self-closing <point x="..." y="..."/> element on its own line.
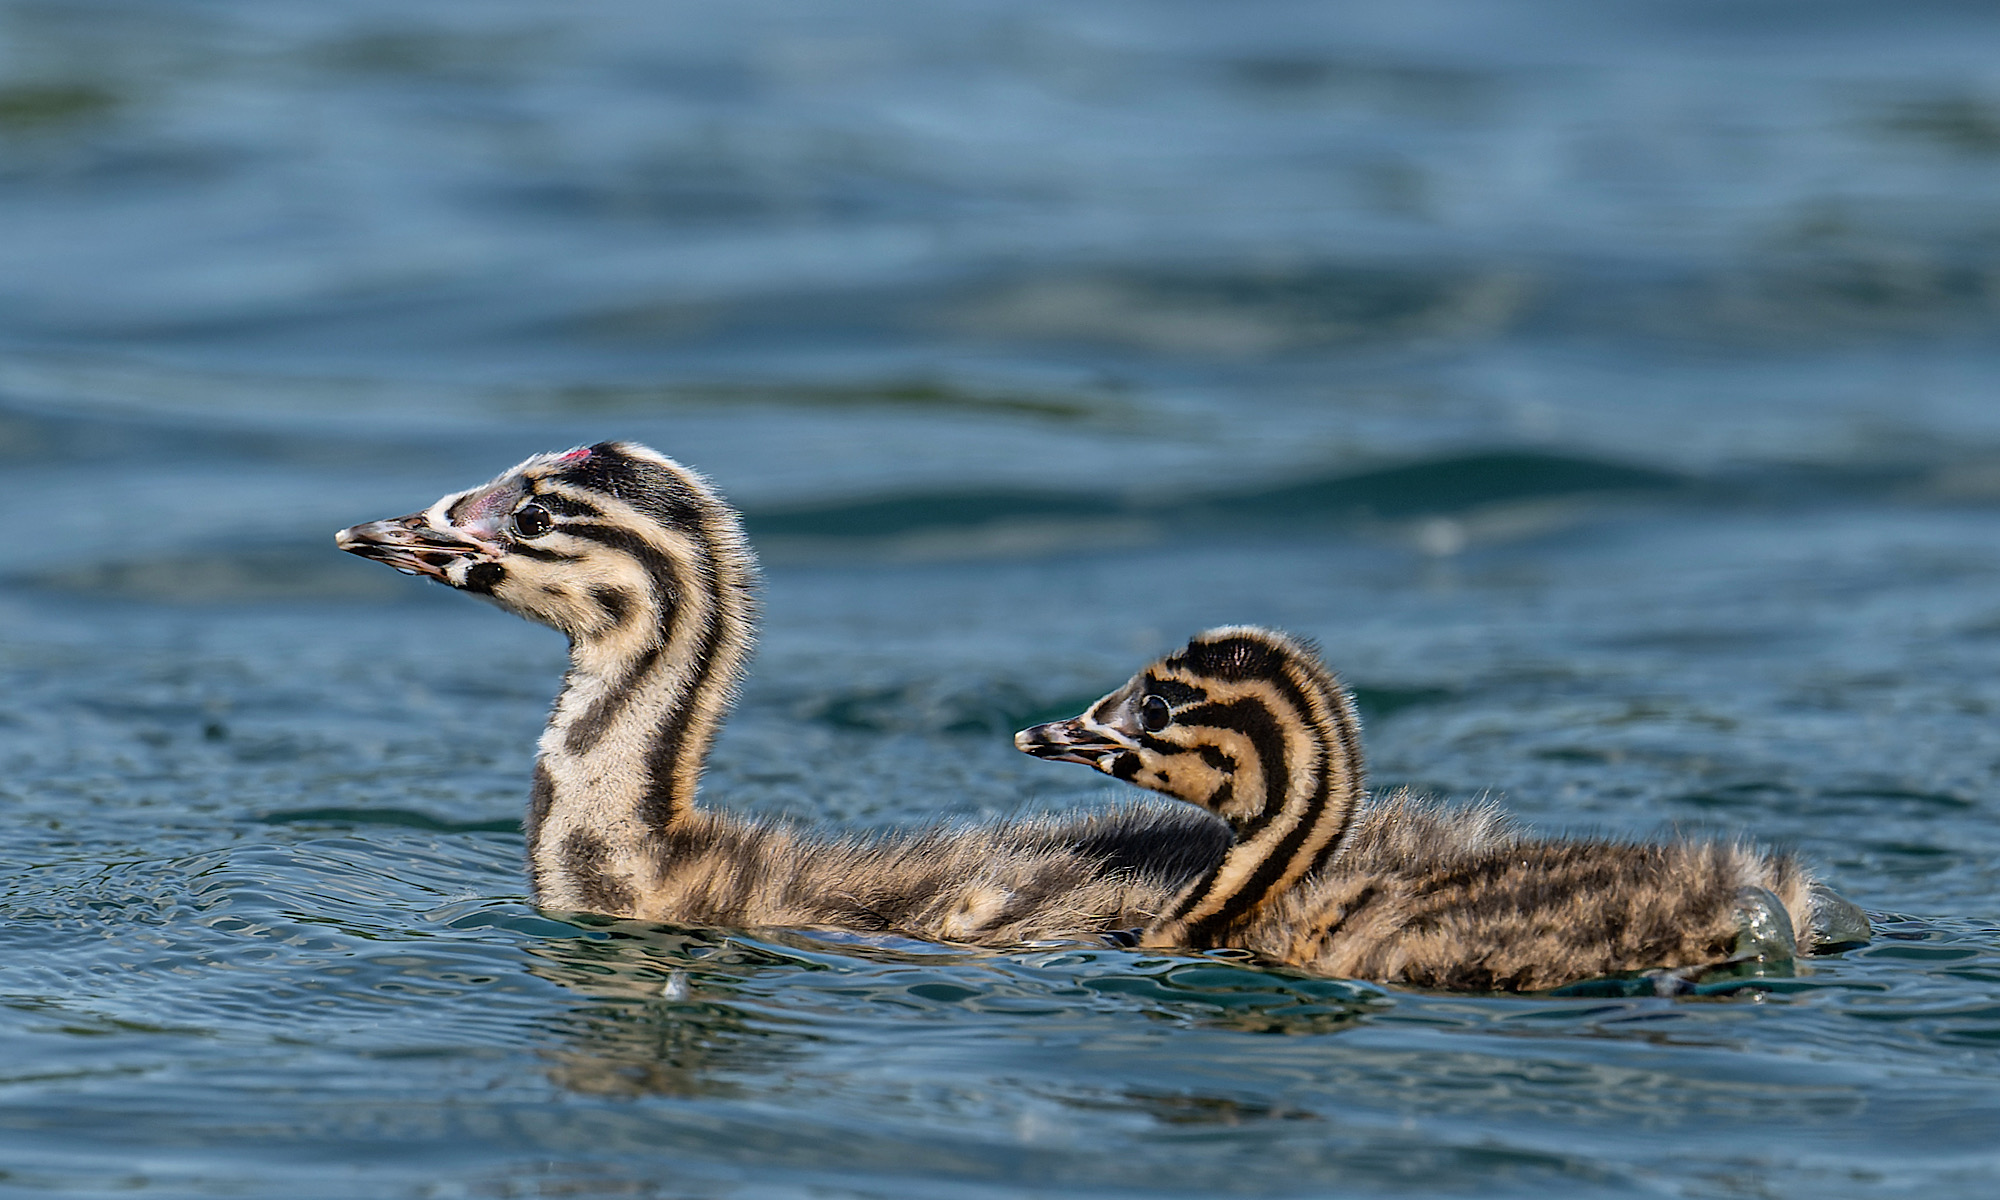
<point x="644" y="567"/>
<point x="1249" y="724"/>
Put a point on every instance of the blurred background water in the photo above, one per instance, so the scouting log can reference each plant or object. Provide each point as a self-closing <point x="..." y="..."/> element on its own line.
<point x="1610" y="388"/>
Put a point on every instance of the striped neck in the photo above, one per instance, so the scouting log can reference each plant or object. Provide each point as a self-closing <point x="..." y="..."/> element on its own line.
<point x="647" y="689"/>
<point x="644" y="567"/>
<point x="1281" y="733"/>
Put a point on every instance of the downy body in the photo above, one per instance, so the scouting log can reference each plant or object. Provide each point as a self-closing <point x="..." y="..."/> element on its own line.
<point x="1250" y="725"/>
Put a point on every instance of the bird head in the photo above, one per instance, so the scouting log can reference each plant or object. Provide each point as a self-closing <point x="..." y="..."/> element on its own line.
<point x="1228" y="722"/>
<point x="584" y="541"/>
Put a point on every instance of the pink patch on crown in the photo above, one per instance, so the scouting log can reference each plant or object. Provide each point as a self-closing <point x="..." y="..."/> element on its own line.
<point x="576" y="455"/>
<point x="488" y="505"/>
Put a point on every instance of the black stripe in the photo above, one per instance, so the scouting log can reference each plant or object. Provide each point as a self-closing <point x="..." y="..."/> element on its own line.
<point x="1196" y="891"/>
<point x="651" y="487"/>
<point x="615" y="601"/>
<point x="1173" y="691"/>
<point x="674" y="505"/>
<point x="1253" y="719"/>
<point x="540" y="798"/>
<point x="1360" y="902"/>
<point x="1274" y="867"/>
<point x="589" y="729"/>
<point x="660" y="805"/>
<point x="1257" y="888"/>
<point x="1539" y="878"/>
<point x="1242" y="659"/>
<point x="1341" y="713"/>
<point x="1233" y="659"/>
<point x="1246" y="660"/>
<point x="655" y="561"/>
<point x="567" y="506"/>
<point x="583" y="858"/>
<point x="1346" y="725"/>
<point x="542" y="553"/>
<point x="1543" y="864"/>
<point x="483" y="577"/>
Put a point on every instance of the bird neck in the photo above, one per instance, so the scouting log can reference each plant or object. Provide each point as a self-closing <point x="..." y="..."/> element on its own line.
<point x="622" y="755"/>
<point x="1298" y="728"/>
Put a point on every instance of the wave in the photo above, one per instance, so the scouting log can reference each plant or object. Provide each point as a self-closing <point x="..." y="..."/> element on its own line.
<point x="1457" y="485"/>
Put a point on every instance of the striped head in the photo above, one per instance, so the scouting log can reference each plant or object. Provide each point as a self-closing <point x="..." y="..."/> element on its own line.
<point x="644" y="567"/>
<point x="1241" y="721"/>
<point x="1248" y="724"/>
<point x="602" y="542"/>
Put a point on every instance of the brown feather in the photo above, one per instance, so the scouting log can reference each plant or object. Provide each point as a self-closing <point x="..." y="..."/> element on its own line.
<point x="644" y="567"/>
<point x="1249" y="724"/>
<point x="1002" y="884"/>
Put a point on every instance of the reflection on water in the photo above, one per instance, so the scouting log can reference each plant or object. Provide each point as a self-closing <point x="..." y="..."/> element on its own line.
<point x="688" y="1012"/>
<point x="738" y="1022"/>
<point x="656" y="1032"/>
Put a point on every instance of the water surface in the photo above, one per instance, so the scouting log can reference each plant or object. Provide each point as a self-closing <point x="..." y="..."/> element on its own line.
<point x="1610" y="393"/>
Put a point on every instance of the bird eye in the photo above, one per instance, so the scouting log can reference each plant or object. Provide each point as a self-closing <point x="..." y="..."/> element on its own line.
<point x="1155" y="714"/>
<point x="532" y="521"/>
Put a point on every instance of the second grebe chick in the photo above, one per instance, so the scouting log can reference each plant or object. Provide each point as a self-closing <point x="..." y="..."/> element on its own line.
<point x="1250" y="725"/>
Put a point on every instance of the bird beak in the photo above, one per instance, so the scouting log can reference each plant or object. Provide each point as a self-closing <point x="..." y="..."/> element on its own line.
<point x="412" y="545"/>
<point x="1069" y="741"/>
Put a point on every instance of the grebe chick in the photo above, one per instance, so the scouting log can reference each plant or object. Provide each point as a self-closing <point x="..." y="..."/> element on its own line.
<point x="645" y="568"/>
<point x="1250" y="725"/>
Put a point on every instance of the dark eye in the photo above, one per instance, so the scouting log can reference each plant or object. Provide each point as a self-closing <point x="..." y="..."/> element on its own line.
<point x="1155" y="714"/>
<point x="532" y="521"/>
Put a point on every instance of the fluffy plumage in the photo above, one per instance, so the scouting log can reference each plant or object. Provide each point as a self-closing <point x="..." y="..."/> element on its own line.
<point x="644" y="567"/>
<point x="1249" y="724"/>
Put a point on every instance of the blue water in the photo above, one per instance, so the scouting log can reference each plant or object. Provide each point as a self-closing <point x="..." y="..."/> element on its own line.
<point x="1610" y="389"/>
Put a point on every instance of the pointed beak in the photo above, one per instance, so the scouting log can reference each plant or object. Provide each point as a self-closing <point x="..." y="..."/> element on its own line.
<point x="1068" y="741"/>
<point x="411" y="545"/>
